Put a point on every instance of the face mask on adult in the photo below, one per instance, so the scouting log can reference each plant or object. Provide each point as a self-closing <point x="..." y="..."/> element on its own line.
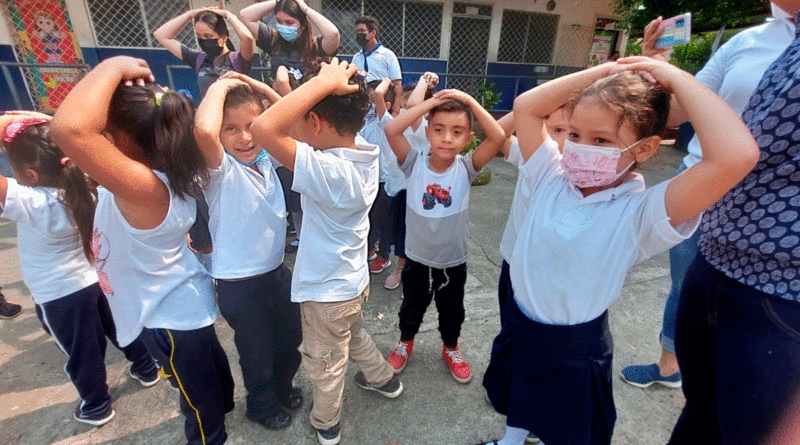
<point x="361" y="39"/>
<point x="210" y="47"/>
<point x="289" y="33"/>
<point x="592" y="165"/>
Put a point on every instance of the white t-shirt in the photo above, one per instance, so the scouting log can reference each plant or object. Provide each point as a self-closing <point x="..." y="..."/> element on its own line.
<point x="374" y="132"/>
<point x="437" y="204"/>
<point x="337" y="187"/>
<point x="735" y="70"/>
<point x="151" y="278"/>
<point x="247" y="218"/>
<point x="522" y="197"/>
<point x="50" y="250"/>
<point x="573" y="252"/>
<point x="381" y="64"/>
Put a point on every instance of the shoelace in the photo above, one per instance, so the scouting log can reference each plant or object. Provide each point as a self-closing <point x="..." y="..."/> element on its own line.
<point x="455" y="356"/>
<point x="400" y="349"/>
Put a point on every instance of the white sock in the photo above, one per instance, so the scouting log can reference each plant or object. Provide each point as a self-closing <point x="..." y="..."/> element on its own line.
<point x="514" y="436"/>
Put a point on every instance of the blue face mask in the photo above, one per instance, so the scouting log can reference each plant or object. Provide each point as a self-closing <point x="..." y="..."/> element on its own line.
<point x="260" y="156"/>
<point x="289" y="33"/>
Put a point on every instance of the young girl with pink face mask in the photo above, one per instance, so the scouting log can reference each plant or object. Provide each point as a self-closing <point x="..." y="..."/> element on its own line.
<point x="589" y="220"/>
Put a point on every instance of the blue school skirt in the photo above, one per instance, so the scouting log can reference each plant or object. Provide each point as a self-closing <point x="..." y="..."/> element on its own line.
<point x="553" y="380"/>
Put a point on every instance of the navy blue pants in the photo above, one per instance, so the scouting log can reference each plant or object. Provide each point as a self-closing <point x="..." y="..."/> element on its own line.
<point x="739" y="353"/>
<point x="397" y="221"/>
<point x="80" y="323"/>
<point x="421" y="284"/>
<point x="267" y="332"/>
<point x="504" y="290"/>
<point x="380" y="230"/>
<point x="196" y="364"/>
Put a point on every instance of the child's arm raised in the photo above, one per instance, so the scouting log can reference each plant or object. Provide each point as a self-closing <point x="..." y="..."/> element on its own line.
<point x="78" y="128"/>
<point x="729" y="150"/>
<point x="394" y="129"/>
<point x="379" y="97"/>
<point x="507" y="124"/>
<point x="495" y="136"/>
<point x="272" y="129"/>
<point x="208" y="121"/>
<point x="259" y="87"/>
<point x="427" y="81"/>
<point x="165" y="34"/>
<point x="531" y="107"/>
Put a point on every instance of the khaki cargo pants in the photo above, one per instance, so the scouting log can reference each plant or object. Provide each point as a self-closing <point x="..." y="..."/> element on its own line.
<point x="332" y="333"/>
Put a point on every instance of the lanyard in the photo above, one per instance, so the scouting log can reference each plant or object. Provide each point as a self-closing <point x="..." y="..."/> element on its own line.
<point x="367" y="54"/>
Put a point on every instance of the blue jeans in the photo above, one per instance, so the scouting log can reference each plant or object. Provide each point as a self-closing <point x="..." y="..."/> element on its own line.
<point x="680" y="257"/>
<point x="739" y="354"/>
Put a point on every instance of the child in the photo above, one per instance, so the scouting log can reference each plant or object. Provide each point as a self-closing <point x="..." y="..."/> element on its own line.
<point x="136" y="141"/>
<point x="590" y="219"/>
<point x="337" y="178"/>
<point x="253" y="286"/>
<point x="53" y="205"/>
<point x="437" y="219"/>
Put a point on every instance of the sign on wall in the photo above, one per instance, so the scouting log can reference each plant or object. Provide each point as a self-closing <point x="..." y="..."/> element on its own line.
<point x="43" y="34"/>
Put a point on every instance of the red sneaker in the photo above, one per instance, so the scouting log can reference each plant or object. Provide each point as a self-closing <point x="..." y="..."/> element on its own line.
<point x="458" y="366"/>
<point x="379" y="264"/>
<point x="399" y="355"/>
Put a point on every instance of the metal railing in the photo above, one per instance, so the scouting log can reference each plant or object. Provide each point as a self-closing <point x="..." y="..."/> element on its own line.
<point x="6" y="67"/>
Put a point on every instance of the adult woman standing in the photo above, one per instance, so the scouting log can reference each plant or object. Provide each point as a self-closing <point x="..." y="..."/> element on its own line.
<point x="217" y="54"/>
<point x="292" y="43"/>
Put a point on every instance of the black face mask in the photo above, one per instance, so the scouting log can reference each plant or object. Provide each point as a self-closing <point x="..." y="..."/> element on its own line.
<point x="361" y="39"/>
<point x="210" y="47"/>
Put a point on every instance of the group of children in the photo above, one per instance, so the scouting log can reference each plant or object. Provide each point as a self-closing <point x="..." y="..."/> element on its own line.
<point x="579" y="220"/>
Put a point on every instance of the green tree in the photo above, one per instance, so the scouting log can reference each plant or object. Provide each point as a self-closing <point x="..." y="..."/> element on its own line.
<point x="706" y="15"/>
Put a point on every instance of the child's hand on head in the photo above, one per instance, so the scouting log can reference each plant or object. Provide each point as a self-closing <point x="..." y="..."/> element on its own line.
<point x="131" y="69"/>
<point x="229" y="83"/>
<point x="456" y="95"/>
<point x="655" y="71"/>
<point x="337" y="75"/>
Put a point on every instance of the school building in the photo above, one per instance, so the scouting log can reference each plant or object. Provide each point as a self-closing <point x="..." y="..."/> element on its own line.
<point x="46" y="45"/>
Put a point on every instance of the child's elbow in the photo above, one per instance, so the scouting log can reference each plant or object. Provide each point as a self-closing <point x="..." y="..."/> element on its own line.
<point x="262" y="132"/>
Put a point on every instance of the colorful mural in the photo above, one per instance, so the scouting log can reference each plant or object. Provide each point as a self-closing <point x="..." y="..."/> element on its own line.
<point x="43" y="34"/>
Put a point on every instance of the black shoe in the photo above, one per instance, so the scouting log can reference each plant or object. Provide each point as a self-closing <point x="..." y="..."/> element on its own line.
<point x="278" y="421"/>
<point x="294" y="401"/>
<point x="331" y="436"/>
<point x="95" y="420"/>
<point x="9" y="310"/>
<point x="391" y="389"/>
<point x="145" y="379"/>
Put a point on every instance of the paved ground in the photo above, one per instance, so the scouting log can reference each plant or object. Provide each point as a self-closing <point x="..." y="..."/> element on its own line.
<point x="37" y="399"/>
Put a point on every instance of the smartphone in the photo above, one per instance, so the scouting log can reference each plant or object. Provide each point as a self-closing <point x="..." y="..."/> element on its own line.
<point x="677" y="31"/>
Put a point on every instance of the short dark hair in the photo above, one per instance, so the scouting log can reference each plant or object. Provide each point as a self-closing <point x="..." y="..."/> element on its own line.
<point x="388" y="97"/>
<point x="452" y="105"/>
<point x="242" y="94"/>
<point x="371" y="23"/>
<point x="345" y="113"/>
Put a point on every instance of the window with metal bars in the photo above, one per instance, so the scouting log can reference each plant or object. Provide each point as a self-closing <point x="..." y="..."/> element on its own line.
<point x="410" y="29"/>
<point x="527" y="37"/>
<point x="130" y="23"/>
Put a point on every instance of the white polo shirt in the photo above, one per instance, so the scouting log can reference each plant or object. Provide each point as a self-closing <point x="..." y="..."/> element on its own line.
<point x="337" y="187"/>
<point x="150" y="277"/>
<point x="247" y="218"/>
<point x="381" y="64"/>
<point x="573" y="252"/>
<point x="734" y="71"/>
<point x="50" y="250"/>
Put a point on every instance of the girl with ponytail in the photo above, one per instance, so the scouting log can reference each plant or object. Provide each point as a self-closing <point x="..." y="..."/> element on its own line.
<point x="53" y="203"/>
<point x="135" y="139"/>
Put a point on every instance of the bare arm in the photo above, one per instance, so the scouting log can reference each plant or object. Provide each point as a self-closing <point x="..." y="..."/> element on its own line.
<point x="397" y="84"/>
<point x="272" y="129"/>
<point x="379" y="97"/>
<point x="166" y="33"/>
<point x="729" y="150"/>
<point x="208" y="121"/>
<point x="259" y="87"/>
<point x="507" y="124"/>
<point x="531" y="107"/>
<point x="251" y="16"/>
<point x="329" y="31"/>
<point x="78" y="128"/>
<point x="395" y="128"/>
<point x="247" y="44"/>
<point x="426" y="82"/>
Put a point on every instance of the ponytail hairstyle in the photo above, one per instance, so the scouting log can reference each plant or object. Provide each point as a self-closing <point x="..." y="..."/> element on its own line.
<point x="217" y="23"/>
<point x="33" y="149"/>
<point x="306" y="42"/>
<point x="645" y="106"/>
<point x="161" y="123"/>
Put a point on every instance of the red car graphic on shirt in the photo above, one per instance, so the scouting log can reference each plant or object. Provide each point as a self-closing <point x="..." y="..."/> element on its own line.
<point x="436" y="193"/>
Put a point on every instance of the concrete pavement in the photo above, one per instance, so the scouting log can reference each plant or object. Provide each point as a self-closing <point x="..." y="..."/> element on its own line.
<point x="37" y="399"/>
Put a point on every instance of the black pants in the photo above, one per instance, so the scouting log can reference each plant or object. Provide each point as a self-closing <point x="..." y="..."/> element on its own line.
<point x="267" y="333"/>
<point x="504" y="290"/>
<point x="739" y="354"/>
<point x="80" y="323"/>
<point x="197" y="365"/>
<point x="397" y="221"/>
<point x="379" y="227"/>
<point x="421" y="284"/>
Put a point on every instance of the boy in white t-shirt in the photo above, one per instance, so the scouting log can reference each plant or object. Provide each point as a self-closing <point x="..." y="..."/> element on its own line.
<point x="337" y="178"/>
<point x="437" y="225"/>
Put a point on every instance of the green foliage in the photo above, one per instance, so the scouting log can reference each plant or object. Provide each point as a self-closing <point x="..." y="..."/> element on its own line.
<point x="473" y="144"/>
<point x="487" y="95"/>
<point x="637" y="14"/>
<point x="693" y="56"/>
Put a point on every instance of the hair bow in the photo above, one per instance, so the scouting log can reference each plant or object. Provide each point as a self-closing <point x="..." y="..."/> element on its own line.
<point x="13" y="129"/>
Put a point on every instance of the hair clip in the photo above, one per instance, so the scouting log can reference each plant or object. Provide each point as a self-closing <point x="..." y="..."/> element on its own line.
<point x="159" y="98"/>
<point x="12" y="130"/>
<point x="64" y="161"/>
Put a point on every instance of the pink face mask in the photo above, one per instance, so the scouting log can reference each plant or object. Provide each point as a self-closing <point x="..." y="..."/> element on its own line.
<point x="592" y="165"/>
